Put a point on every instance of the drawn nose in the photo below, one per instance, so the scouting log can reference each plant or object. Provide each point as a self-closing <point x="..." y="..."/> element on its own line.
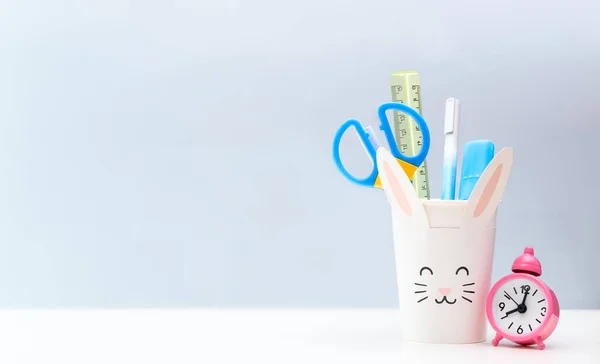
<point x="444" y="291"/>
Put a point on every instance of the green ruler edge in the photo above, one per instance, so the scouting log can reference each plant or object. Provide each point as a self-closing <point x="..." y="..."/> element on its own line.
<point x="406" y="89"/>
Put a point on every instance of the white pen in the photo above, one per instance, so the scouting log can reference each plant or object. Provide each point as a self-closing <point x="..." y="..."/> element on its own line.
<point x="450" y="149"/>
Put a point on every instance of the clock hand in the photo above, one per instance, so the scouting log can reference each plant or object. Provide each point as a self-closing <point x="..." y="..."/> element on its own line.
<point x="507" y="295"/>
<point x="510" y="313"/>
<point x="524" y="298"/>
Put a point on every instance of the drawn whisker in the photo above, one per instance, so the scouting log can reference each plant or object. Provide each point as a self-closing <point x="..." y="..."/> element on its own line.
<point x="465" y="298"/>
<point x="421" y="284"/>
<point x="422" y="299"/>
<point x="420" y="291"/>
<point x="468" y="284"/>
<point x="468" y="291"/>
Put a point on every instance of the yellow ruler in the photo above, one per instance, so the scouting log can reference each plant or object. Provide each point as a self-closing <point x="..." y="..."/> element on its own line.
<point x="406" y="89"/>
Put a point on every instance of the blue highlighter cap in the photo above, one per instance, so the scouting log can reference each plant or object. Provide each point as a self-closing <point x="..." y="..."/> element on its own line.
<point x="477" y="155"/>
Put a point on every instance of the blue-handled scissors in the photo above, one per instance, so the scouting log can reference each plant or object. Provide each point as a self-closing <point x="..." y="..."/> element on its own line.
<point x="408" y="164"/>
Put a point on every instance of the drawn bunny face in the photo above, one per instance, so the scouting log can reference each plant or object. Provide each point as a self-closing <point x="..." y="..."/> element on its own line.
<point x="423" y="293"/>
<point x="444" y="252"/>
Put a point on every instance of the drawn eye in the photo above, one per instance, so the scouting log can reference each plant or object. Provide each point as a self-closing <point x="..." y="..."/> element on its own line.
<point x="462" y="268"/>
<point x="425" y="269"/>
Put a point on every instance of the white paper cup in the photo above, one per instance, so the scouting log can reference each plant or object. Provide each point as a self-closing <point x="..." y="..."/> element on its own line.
<point x="444" y="253"/>
<point x="443" y="274"/>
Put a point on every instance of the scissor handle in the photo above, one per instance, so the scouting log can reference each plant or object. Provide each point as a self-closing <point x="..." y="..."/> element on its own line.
<point x="368" y="181"/>
<point x="418" y="159"/>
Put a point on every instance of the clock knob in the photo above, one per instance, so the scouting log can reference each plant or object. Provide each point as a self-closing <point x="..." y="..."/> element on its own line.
<point x="527" y="263"/>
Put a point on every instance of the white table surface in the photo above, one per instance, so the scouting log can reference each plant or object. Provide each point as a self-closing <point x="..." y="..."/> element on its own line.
<point x="262" y="336"/>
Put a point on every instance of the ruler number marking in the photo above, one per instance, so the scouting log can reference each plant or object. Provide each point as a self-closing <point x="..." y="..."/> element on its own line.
<point x="405" y="123"/>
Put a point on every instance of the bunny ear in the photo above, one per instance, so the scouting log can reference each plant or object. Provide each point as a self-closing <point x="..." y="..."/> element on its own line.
<point x="489" y="189"/>
<point x="397" y="186"/>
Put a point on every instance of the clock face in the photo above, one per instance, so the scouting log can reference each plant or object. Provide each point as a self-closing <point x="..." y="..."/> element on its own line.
<point x="519" y="307"/>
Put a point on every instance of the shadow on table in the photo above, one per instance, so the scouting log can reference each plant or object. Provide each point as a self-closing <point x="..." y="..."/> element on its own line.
<point x="387" y="341"/>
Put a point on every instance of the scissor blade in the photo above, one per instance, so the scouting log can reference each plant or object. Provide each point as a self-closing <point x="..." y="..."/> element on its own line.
<point x="372" y="138"/>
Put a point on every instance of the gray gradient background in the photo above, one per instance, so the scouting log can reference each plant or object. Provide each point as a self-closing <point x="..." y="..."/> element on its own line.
<point x="178" y="153"/>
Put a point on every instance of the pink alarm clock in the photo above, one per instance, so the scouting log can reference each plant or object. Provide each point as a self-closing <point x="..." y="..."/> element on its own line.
<point x="522" y="308"/>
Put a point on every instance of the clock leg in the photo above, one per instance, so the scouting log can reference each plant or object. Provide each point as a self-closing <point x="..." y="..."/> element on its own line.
<point x="540" y="343"/>
<point x="497" y="339"/>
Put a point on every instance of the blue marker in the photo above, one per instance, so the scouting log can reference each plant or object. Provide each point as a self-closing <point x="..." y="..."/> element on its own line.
<point x="450" y="149"/>
<point x="476" y="157"/>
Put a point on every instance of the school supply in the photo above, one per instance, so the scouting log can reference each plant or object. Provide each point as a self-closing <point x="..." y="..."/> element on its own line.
<point x="372" y="137"/>
<point x="406" y="89"/>
<point x="409" y="164"/>
<point x="450" y="149"/>
<point x="477" y="155"/>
